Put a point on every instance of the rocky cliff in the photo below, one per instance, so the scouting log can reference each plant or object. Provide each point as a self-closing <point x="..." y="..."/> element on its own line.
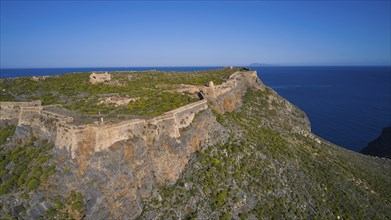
<point x="127" y="160"/>
<point x="381" y="146"/>
<point x="243" y="152"/>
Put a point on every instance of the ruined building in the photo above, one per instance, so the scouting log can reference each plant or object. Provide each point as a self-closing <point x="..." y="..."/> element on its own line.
<point x="99" y="77"/>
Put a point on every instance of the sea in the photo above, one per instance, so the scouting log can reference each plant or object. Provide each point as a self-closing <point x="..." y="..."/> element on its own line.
<point x="348" y="106"/>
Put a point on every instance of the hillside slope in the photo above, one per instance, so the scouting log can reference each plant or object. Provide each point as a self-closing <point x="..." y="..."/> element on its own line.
<point x="251" y="154"/>
<point x="381" y="146"/>
<point x="267" y="171"/>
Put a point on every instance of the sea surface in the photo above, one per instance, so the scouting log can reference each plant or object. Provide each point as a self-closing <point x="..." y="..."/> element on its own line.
<point x="348" y="106"/>
<point x="8" y="73"/>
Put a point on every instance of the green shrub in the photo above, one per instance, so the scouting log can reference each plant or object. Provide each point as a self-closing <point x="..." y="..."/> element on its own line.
<point x="43" y="159"/>
<point x="51" y="171"/>
<point x="243" y="168"/>
<point x="2" y="172"/>
<point x="216" y="162"/>
<point x="77" y="206"/>
<point x="58" y="205"/>
<point x="225" y="216"/>
<point x="20" y="169"/>
<point x="4" y="162"/>
<point x="242" y="216"/>
<point x="20" y="182"/>
<point x="33" y="183"/>
<point x="221" y="197"/>
<point x="6" y="133"/>
<point x="4" y="189"/>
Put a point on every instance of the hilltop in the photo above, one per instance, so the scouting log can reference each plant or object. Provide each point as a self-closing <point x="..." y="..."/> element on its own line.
<point x="165" y="150"/>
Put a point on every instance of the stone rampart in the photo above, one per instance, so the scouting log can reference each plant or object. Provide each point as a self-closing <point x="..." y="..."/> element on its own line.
<point x="97" y="137"/>
<point x="228" y="96"/>
<point x="143" y="153"/>
<point x="11" y="110"/>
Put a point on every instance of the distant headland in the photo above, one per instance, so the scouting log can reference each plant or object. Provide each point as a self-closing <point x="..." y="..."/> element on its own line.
<point x="262" y="64"/>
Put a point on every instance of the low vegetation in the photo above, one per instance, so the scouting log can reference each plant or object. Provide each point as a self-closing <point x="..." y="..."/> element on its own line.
<point x="269" y="166"/>
<point x="24" y="168"/>
<point x="70" y="207"/>
<point x="27" y="178"/>
<point x="75" y="92"/>
<point x="6" y="132"/>
<point x="267" y="171"/>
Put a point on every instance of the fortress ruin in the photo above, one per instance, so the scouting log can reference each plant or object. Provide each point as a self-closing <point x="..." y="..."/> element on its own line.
<point x="60" y="130"/>
<point x="99" y="77"/>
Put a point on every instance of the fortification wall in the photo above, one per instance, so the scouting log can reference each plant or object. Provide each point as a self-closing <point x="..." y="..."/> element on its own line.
<point x="43" y="123"/>
<point x="28" y="114"/>
<point x="65" y="136"/>
<point x="228" y="96"/>
<point x="184" y="116"/>
<point x="98" y="137"/>
<point x="43" y="126"/>
<point x="11" y="110"/>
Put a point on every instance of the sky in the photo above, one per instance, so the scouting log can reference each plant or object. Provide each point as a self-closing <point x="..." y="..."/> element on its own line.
<point x="54" y="34"/>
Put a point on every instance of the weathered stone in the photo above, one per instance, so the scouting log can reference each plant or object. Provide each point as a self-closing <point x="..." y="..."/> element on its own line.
<point x="39" y="210"/>
<point x="36" y="197"/>
<point x="10" y="165"/>
<point x="99" y="77"/>
<point x="22" y="134"/>
<point x="16" y="210"/>
<point x="12" y="110"/>
<point x="5" y="177"/>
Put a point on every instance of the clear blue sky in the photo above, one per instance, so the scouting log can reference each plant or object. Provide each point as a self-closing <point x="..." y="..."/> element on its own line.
<point x="198" y="33"/>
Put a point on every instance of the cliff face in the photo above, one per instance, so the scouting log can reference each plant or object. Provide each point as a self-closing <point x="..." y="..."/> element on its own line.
<point x="150" y="153"/>
<point x="273" y="167"/>
<point x="228" y="96"/>
<point x="381" y="147"/>
<point x="125" y="161"/>
<point x="128" y="171"/>
<point x="243" y="152"/>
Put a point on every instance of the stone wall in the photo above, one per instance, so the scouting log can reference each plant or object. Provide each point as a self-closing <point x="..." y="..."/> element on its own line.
<point x="228" y="96"/>
<point x="11" y="110"/>
<point x="97" y="137"/>
<point x="101" y="136"/>
<point x="99" y="77"/>
<point x="134" y="155"/>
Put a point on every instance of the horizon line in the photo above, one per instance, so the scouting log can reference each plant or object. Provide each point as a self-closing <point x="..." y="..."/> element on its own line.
<point x="264" y="65"/>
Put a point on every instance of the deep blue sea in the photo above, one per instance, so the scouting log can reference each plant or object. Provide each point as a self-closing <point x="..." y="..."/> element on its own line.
<point x="348" y="106"/>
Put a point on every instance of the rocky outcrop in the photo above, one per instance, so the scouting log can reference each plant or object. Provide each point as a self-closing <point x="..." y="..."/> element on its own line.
<point x="117" y="165"/>
<point x="115" y="181"/>
<point x="261" y="162"/>
<point x="228" y="96"/>
<point x="381" y="146"/>
<point x="136" y="156"/>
